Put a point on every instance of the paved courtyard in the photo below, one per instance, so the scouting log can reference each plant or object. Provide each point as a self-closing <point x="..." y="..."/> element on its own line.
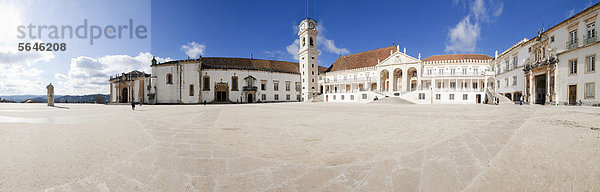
<point x="299" y="147"/>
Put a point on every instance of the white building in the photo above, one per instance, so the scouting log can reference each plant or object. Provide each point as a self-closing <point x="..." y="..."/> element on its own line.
<point x="213" y="80"/>
<point x="387" y="72"/>
<point x="558" y="66"/>
<point x="508" y="66"/>
<point x="129" y="87"/>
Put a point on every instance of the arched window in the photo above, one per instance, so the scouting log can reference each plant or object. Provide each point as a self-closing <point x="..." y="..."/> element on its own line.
<point x="303" y="42"/>
<point x="169" y="78"/>
<point x="311" y="42"/>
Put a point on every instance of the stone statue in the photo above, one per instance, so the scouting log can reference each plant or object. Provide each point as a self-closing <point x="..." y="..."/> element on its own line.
<point x="50" y="89"/>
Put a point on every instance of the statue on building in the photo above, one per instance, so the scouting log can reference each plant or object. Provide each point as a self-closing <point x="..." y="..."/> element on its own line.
<point x="50" y="93"/>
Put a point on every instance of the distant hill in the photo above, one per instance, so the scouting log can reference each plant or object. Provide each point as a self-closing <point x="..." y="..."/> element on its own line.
<point x="93" y="98"/>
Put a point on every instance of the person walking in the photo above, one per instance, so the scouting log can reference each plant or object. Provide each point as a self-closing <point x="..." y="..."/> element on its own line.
<point x="132" y="105"/>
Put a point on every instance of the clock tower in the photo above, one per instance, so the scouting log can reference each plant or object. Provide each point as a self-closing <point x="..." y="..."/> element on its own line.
<point x="308" y="57"/>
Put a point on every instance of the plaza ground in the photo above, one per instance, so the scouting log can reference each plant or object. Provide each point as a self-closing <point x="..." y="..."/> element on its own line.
<point x="299" y="147"/>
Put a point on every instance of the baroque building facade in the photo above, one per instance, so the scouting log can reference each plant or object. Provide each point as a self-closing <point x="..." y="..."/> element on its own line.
<point x="557" y="66"/>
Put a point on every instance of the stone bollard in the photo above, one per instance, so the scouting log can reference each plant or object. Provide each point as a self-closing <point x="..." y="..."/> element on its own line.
<point x="50" y="93"/>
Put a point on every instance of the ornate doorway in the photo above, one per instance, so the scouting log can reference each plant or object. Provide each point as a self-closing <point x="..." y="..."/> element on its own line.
<point x="124" y="95"/>
<point x="250" y="98"/>
<point x="221" y="92"/>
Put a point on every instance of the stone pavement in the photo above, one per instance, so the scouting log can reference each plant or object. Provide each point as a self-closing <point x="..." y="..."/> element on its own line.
<point x="299" y="147"/>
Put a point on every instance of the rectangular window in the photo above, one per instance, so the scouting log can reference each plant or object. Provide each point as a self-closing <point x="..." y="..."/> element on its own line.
<point x="264" y="97"/>
<point x="464" y="71"/>
<point x="451" y="97"/>
<point x="334" y="97"/>
<point x="573" y="37"/>
<point x="276" y="97"/>
<point x="452" y="85"/>
<point x="352" y="97"/>
<point x="421" y="96"/>
<point x="452" y="71"/>
<point x="591" y="31"/>
<point x="498" y="83"/>
<point x="573" y="66"/>
<point x="514" y="80"/>
<point x="191" y="90"/>
<point x="343" y="97"/>
<point x="552" y="39"/>
<point x="263" y="85"/>
<point x="206" y="86"/>
<point x="287" y="86"/>
<point x="439" y="85"/>
<point x="287" y="97"/>
<point x="298" y="86"/>
<point x="429" y="71"/>
<point x="441" y="71"/>
<point x="474" y="85"/>
<point x="465" y="97"/>
<point x="298" y="97"/>
<point x="506" y="80"/>
<point x="234" y="83"/>
<point x="590" y="90"/>
<point x="506" y="65"/>
<point x="276" y="85"/>
<point x="476" y="71"/>
<point x="515" y="61"/>
<point x="438" y="96"/>
<point x="590" y="64"/>
<point x="364" y="96"/>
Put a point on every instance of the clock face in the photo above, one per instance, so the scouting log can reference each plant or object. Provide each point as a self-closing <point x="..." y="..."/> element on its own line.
<point x="311" y="25"/>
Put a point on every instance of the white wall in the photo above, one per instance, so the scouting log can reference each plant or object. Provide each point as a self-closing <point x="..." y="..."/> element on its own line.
<point x="581" y="77"/>
<point x="223" y="75"/>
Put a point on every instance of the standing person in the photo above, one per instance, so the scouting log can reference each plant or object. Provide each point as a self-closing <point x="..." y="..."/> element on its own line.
<point x="132" y="105"/>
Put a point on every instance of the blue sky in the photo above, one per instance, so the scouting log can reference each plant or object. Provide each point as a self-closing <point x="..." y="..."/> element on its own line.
<point x="267" y="29"/>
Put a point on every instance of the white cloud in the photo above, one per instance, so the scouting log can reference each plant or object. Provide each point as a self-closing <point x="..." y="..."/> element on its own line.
<point x="19" y="70"/>
<point x="328" y="45"/>
<point x="193" y="49"/>
<point x="570" y="13"/>
<point x="464" y="35"/>
<point x="89" y="75"/>
<point x="293" y="49"/>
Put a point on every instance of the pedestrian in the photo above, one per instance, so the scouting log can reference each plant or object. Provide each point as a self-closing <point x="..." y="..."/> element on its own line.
<point x="521" y="100"/>
<point x="132" y="105"/>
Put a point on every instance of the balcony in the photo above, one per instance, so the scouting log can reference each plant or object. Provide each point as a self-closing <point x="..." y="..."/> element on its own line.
<point x="352" y="80"/>
<point x="572" y="45"/>
<point x="589" y="40"/>
<point x="249" y="88"/>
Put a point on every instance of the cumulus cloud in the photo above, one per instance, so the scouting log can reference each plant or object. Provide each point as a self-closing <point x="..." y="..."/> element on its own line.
<point x="90" y="75"/>
<point x="19" y="72"/>
<point x="293" y="49"/>
<point x="328" y="45"/>
<point x="193" y="49"/>
<point x="464" y="35"/>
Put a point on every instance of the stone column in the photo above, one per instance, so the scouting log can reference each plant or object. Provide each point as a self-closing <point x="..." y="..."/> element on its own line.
<point x="50" y="94"/>
<point x="548" y="84"/>
<point x="531" y="84"/>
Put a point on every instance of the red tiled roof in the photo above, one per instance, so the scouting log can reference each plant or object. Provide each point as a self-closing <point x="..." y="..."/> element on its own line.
<point x="457" y="57"/>
<point x="249" y="64"/>
<point x="362" y="59"/>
